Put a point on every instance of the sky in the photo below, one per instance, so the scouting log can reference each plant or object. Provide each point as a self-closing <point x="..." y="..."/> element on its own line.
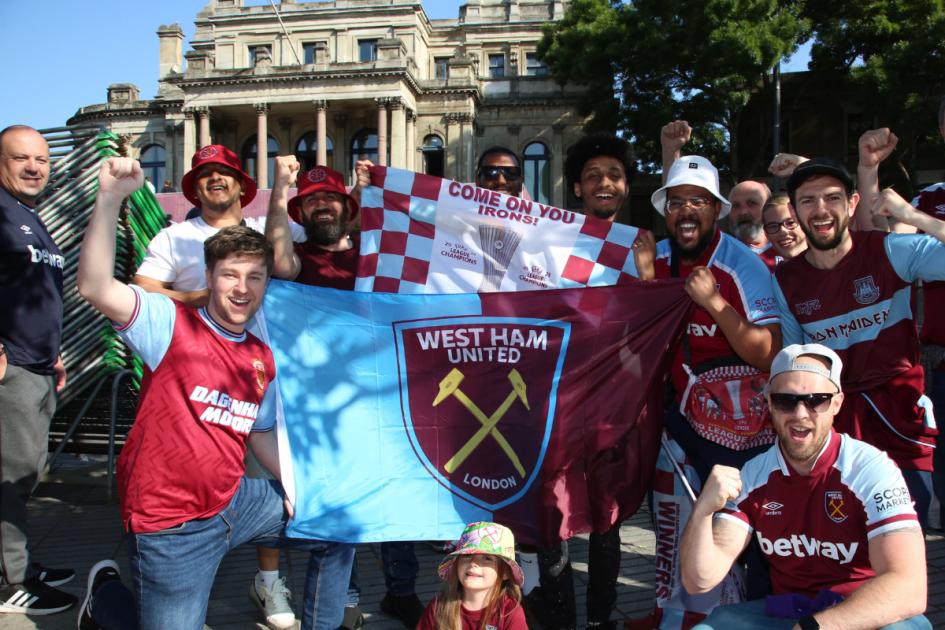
<point x="65" y="56"/>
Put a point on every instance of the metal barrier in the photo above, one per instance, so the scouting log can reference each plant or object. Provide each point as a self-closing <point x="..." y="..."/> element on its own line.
<point x="91" y="350"/>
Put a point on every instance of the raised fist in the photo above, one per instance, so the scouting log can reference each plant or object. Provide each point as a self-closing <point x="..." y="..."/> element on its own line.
<point x="891" y="204"/>
<point x="120" y="176"/>
<point x="783" y="164"/>
<point x="287" y="170"/>
<point x="876" y="145"/>
<point x="723" y="485"/>
<point x="701" y="286"/>
<point x="675" y="135"/>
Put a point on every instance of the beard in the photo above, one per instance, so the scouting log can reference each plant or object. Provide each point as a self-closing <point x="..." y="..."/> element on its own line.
<point x="748" y="231"/>
<point x="327" y="233"/>
<point x="694" y="252"/>
<point x="841" y="231"/>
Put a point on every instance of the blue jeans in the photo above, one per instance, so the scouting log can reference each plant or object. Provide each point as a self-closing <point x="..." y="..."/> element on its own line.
<point x="399" y="561"/>
<point x="938" y="459"/>
<point x="172" y="571"/>
<point x="751" y="615"/>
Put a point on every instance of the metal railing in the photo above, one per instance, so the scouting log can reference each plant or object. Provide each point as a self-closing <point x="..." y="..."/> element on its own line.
<point x="91" y="350"/>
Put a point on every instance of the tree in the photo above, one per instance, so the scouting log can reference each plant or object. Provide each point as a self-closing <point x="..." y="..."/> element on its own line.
<point x="651" y="61"/>
<point x="892" y="53"/>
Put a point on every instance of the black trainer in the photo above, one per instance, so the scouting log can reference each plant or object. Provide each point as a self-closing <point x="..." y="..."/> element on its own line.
<point x="406" y="608"/>
<point x="52" y="577"/>
<point x="32" y="597"/>
<point x="101" y="572"/>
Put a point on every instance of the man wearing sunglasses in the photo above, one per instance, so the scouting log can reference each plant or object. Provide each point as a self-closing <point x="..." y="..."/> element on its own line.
<point x="852" y="291"/>
<point x="832" y="515"/>
<point x="499" y="169"/>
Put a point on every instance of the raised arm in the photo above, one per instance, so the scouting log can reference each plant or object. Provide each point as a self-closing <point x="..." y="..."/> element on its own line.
<point x="889" y="204"/>
<point x="286" y="264"/>
<point x="118" y="178"/>
<point x="673" y="137"/>
<point x="874" y="147"/>
<point x="756" y="345"/>
<point x="898" y="591"/>
<point x="710" y="545"/>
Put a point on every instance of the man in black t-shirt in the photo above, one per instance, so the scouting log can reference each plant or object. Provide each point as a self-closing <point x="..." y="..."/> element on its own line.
<point x="31" y="370"/>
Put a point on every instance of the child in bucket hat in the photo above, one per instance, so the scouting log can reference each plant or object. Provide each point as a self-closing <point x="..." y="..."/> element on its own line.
<point x="483" y="584"/>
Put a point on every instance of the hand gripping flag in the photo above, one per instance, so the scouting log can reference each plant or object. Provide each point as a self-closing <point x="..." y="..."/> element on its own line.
<point x="423" y="234"/>
<point x="412" y="415"/>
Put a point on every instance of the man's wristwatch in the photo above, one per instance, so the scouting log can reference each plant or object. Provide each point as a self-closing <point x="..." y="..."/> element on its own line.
<point x="808" y="623"/>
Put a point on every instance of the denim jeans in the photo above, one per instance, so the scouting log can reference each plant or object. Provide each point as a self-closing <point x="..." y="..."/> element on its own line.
<point x="172" y="571"/>
<point x="938" y="460"/>
<point x="751" y="615"/>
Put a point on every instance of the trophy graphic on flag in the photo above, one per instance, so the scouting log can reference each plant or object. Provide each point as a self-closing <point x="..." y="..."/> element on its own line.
<point x="498" y="245"/>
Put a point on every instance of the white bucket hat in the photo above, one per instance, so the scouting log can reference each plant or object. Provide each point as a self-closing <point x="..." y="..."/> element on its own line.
<point x="696" y="171"/>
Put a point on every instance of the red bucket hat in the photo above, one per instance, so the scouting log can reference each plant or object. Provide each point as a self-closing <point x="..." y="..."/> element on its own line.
<point x="320" y="178"/>
<point x="217" y="154"/>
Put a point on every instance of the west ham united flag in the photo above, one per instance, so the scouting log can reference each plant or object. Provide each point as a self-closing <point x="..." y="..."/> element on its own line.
<point x="423" y="234"/>
<point x="408" y="416"/>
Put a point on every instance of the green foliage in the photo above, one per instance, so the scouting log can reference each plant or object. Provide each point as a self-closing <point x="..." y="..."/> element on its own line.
<point x="651" y="61"/>
<point x="891" y="54"/>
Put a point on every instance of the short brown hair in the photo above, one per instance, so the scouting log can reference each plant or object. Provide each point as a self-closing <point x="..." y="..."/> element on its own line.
<point x="240" y="240"/>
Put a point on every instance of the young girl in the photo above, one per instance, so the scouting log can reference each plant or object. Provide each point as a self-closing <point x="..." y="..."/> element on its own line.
<point x="483" y="584"/>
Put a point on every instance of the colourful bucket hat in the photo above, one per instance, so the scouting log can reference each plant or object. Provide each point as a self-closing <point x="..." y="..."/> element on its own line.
<point x="485" y="537"/>
<point x="314" y="180"/>
<point x="217" y="154"/>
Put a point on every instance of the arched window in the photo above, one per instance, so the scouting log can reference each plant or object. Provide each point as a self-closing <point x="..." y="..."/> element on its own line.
<point x="306" y="150"/>
<point x="249" y="156"/>
<point x="364" y="147"/>
<point x="433" y="155"/>
<point x="152" y="160"/>
<point x="538" y="172"/>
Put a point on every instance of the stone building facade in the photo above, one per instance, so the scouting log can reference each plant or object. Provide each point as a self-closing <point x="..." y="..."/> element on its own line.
<point x="336" y="80"/>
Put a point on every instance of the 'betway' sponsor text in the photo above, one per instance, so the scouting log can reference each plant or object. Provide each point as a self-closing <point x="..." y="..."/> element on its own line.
<point x="224" y="410"/>
<point x="499" y="344"/>
<point x="803" y="547"/>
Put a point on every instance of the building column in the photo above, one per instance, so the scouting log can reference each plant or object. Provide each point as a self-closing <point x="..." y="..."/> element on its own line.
<point x="452" y="167"/>
<point x="190" y="138"/>
<point x="381" y="131"/>
<point x="342" y="157"/>
<point x="170" y="153"/>
<point x="203" y="118"/>
<point x="398" y="133"/>
<point x="262" y="145"/>
<point x="411" y="163"/>
<point x="469" y="156"/>
<point x="321" y="133"/>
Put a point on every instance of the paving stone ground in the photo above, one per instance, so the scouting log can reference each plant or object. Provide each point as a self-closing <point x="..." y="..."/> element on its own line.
<point x="75" y="524"/>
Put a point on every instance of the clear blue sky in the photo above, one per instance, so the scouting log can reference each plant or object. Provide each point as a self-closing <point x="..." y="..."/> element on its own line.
<point x="59" y="55"/>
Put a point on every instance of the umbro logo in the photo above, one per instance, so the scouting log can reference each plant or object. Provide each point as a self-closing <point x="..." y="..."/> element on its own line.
<point x="26" y="229"/>
<point x="940" y="209"/>
<point x="772" y="508"/>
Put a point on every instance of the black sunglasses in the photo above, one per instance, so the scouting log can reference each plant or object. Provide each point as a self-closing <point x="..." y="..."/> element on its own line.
<point x="492" y="172"/>
<point x="788" y="402"/>
<point x="775" y="226"/>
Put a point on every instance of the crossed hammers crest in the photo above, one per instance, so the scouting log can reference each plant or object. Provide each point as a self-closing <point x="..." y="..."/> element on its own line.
<point x="449" y="386"/>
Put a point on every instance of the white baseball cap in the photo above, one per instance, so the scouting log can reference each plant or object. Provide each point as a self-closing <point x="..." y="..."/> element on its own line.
<point x="790" y="359"/>
<point x="694" y="170"/>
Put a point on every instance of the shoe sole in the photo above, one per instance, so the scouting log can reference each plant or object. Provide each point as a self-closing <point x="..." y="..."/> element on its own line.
<point x="93" y="572"/>
<point x="7" y="609"/>
<point x="261" y="607"/>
